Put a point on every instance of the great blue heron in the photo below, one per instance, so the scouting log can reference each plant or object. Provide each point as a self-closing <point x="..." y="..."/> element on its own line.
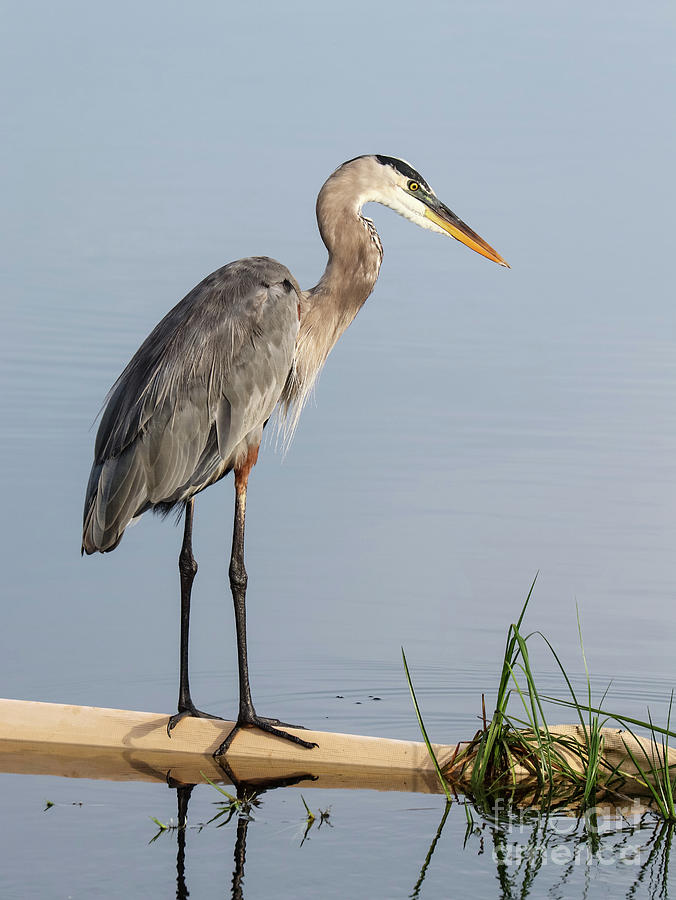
<point x="192" y="403"/>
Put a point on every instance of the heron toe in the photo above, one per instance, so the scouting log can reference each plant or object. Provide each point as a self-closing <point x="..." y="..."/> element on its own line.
<point x="279" y="722"/>
<point x="188" y="711"/>
<point x="266" y="725"/>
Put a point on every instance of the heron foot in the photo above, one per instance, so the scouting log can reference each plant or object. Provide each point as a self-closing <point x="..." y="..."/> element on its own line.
<point x="183" y="712"/>
<point x="278" y="722"/>
<point x="268" y="725"/>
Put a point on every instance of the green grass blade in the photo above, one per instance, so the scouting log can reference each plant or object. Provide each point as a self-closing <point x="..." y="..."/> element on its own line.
<point x="218" y="788"/>
<point x="655" y="792"/>
<point x="310" y="815"/>
<point x="442" y="780"/>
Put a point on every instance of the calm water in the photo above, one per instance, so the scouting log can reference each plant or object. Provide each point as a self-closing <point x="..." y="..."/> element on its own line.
<point x="474" y="425"/>
<point x="96" y="842"/>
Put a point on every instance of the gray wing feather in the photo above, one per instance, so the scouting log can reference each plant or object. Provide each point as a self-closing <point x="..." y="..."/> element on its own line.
<point x="209" y="374"/>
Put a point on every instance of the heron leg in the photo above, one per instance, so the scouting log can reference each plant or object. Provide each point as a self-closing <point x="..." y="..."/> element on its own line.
<point x="238" y="583"/>
<point x="187" y="567"/>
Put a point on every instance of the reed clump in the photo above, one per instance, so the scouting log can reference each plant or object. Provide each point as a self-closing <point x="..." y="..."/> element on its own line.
<point x="520" y="752"/>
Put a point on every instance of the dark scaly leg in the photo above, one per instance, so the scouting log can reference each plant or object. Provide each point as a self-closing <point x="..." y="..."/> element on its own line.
<point x="183" y="793"/>
<point x="240" y="857"/>
<point x="238" y="582"/>
<point x="187" y="567"/>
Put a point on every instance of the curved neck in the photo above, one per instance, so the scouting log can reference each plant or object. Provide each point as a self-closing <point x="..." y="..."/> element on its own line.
<point x="355" y="253"/>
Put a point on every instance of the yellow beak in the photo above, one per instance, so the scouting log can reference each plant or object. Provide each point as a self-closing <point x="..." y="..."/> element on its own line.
<point x="443" y="217"/>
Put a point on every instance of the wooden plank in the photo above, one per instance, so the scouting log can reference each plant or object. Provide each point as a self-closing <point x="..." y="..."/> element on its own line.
<point x="93" y="742"/>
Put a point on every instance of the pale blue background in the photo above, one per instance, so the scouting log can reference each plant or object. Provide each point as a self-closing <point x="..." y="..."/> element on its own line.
<point x="473" y="426"/>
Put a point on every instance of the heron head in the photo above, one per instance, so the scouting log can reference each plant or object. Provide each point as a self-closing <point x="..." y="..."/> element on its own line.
<point x="395" y="183"/>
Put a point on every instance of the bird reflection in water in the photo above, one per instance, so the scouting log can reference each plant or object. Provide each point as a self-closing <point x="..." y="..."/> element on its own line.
<point x="241" y="805"/>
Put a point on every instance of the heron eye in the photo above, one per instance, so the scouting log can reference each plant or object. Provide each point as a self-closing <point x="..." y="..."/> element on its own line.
<point x="413" y="185"/>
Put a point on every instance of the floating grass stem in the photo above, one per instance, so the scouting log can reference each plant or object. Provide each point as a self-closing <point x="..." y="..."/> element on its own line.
<point x="310" y="815"/>
<point x="430" y="750"/>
